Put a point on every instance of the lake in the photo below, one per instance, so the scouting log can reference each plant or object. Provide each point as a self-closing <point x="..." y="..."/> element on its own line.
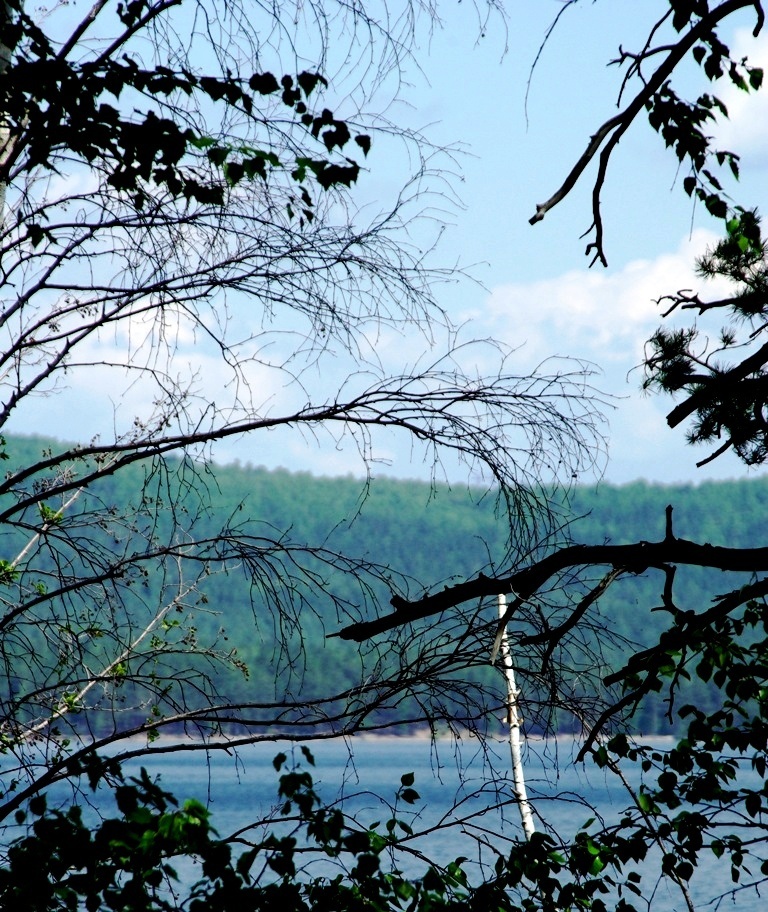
<point x="457" y="783"/>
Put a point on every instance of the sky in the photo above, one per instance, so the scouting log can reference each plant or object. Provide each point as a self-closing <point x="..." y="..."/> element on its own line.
<point x="539" y="294"/>
<point x="531" y="288"/>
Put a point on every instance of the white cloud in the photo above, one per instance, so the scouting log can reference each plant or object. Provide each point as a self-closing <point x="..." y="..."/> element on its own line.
<point x="605" y="318"/>
<point x="123" y="375"/>
<point x="599" y="316"/>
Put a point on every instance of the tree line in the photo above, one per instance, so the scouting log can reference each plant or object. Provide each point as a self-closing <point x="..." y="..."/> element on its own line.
<point x="429" y="533"/>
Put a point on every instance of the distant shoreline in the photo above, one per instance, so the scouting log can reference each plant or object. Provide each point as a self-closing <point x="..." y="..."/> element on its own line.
<point x="168" y="743"/>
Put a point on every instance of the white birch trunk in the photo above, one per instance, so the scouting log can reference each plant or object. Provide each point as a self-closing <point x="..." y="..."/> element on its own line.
<point x="514" y="719"/>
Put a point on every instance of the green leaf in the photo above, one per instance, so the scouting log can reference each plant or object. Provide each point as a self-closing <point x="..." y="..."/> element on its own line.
<point x="37" y="805"/>
<point x="200" y="142"/>
<point x="716" y="206"/>
<point x="753" y="803"/>
<point x="308" y="82"/>
<point x="263" y="83"/>
<point x="8" y="573"/>
<point x="217" y="155"/>
<point x="234" y="172"/>
<point x="254" y="167"/>
<point x="333" y="175"/>
<point x="338" y="136"/>
<point x="216" y="89"/>
<point x="645" y="803"/>
<point x="434" y="881"/>
<point x="245" y="862"/>
<point x="364" y="142"/>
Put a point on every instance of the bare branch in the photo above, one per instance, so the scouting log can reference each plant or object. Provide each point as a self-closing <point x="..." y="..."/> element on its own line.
<point x="631" y="558"/>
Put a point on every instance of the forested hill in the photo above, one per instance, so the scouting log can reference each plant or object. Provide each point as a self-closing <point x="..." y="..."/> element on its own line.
<point x="428" y="534"/>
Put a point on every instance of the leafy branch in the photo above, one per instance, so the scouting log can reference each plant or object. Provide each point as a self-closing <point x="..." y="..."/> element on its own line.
<point x="679" y="122"/>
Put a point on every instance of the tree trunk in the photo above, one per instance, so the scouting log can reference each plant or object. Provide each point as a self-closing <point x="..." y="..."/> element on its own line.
<point x="515" y="719"/>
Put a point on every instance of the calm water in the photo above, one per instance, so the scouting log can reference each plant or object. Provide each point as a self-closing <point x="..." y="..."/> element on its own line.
<point x="365" y="775"/>
<point x="242" y="789"/>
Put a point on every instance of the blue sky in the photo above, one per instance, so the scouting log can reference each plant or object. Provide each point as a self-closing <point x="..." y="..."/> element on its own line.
<point x="530" y="287"/>
<point x="538" y="292"/>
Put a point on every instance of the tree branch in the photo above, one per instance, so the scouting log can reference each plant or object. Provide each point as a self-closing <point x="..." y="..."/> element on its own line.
<point x="616" y="126"/>
<point x="728" y="378"/>
<point x="631" y="558"/>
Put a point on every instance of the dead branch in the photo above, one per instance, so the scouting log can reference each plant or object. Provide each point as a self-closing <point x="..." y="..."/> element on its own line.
<point x="630" y="558"/>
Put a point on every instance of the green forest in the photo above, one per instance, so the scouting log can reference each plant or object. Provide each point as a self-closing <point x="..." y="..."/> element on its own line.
<point x="419" y="534"/>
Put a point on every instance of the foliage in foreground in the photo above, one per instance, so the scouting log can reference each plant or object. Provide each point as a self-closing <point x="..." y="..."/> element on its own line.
<point x="183" y="199"/>
<point x="696" y="808"/>
<point x="129" y="862"/>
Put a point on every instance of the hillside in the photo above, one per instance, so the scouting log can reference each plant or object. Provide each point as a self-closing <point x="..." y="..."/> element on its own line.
<point x="424" y="535"/>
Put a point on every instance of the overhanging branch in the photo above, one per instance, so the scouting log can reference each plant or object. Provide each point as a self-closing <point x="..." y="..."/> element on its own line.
<point x="608" y="135"/>
<point x="727" y="379"/>
<point x="631" y="558"/>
